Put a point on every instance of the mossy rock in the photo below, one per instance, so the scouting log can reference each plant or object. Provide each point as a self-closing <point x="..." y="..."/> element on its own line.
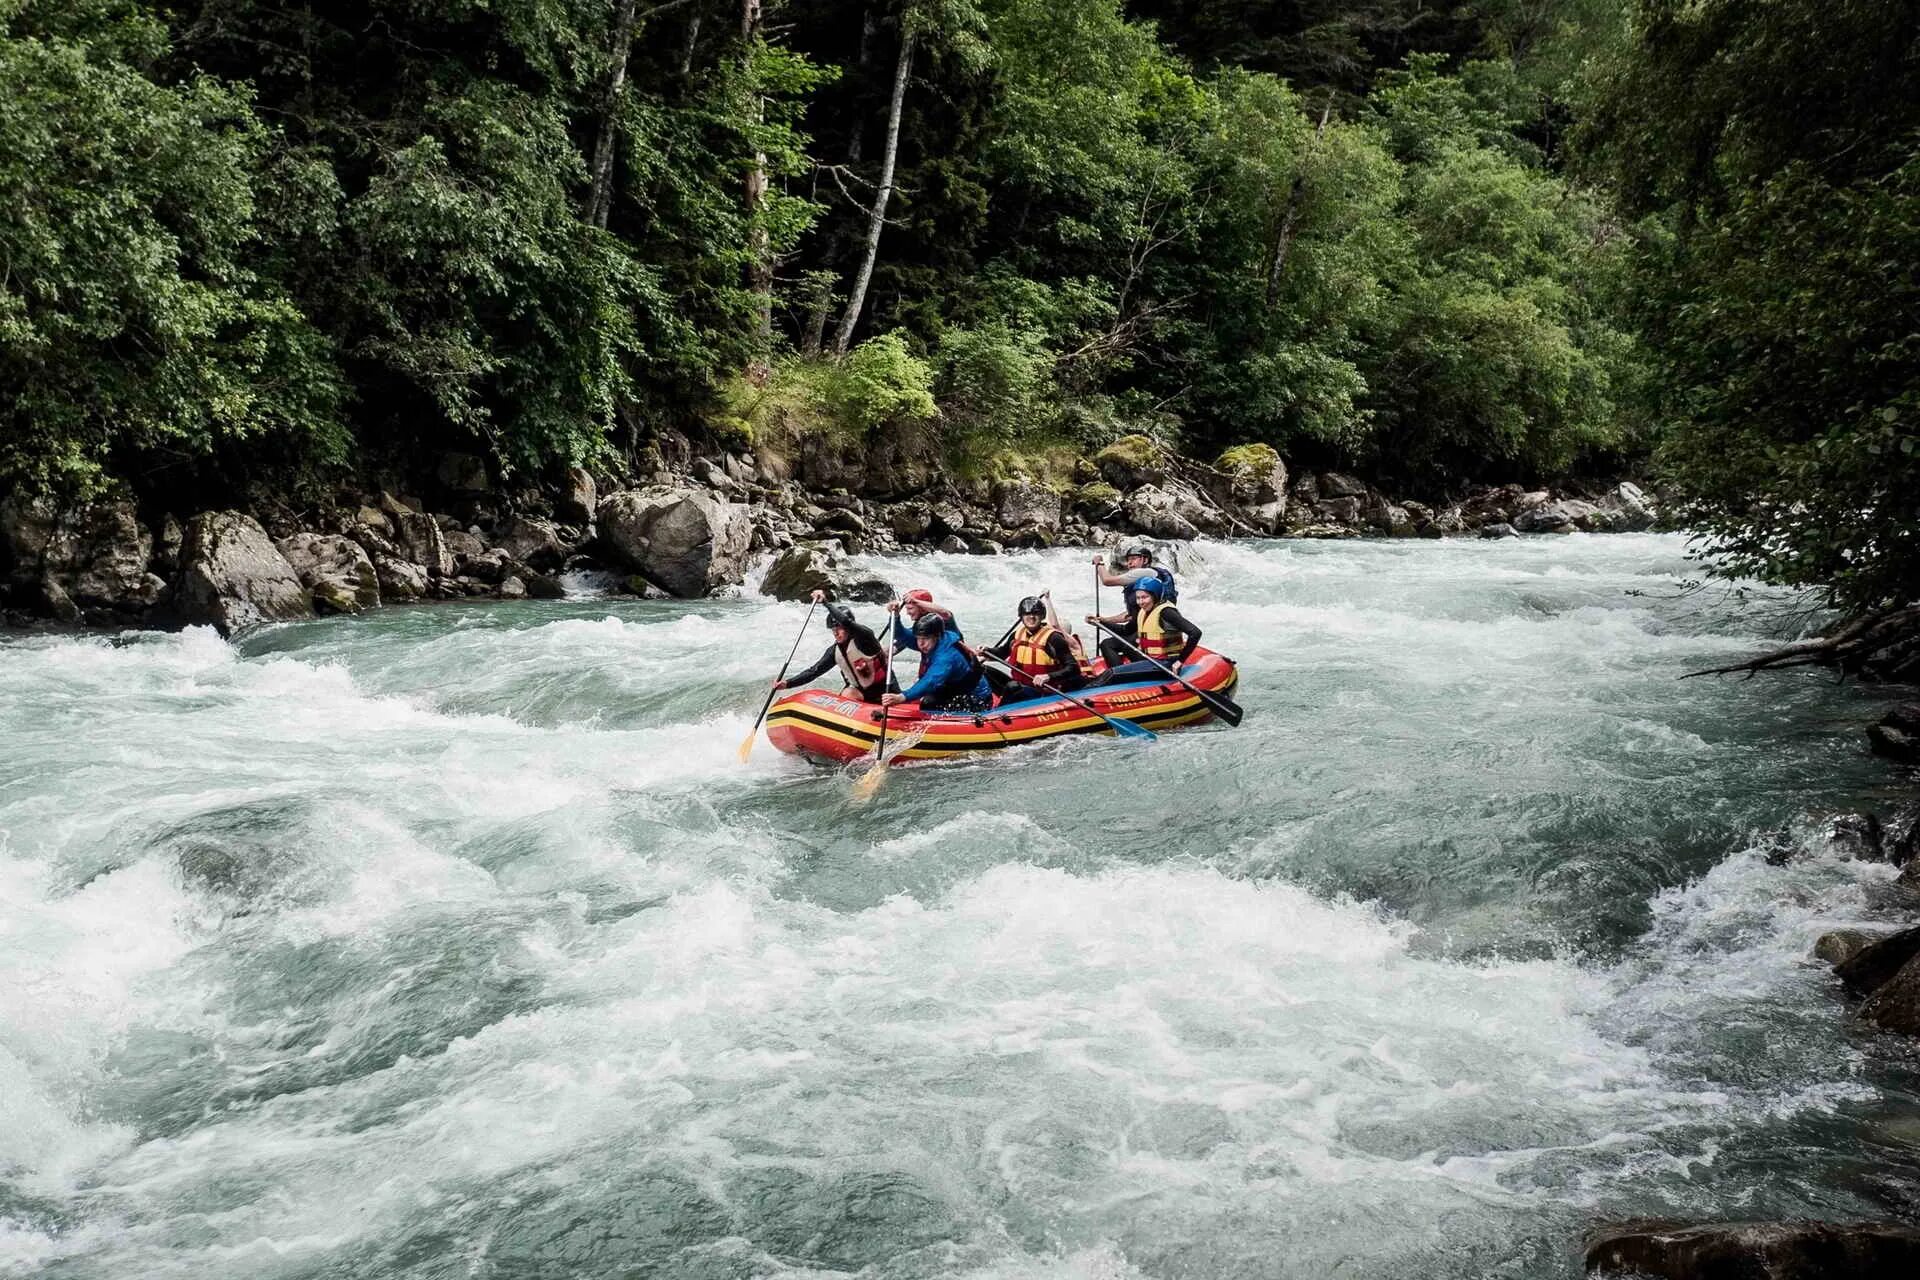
<point x="1096" y="499"/>
<point x="1249" y="459"/>
<point x="1132" y="461"/>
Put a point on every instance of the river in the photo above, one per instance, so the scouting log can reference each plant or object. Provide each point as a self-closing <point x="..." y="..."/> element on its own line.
<point x="455" y="941"/>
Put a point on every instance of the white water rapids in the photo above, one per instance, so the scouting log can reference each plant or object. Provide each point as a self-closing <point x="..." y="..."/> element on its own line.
<point x="455" y="941"/>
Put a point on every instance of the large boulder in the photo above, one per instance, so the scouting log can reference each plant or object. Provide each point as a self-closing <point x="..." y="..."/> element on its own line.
<point x="1160" y="512"/>
<point x="800" y="571"/>
<point x="335" y="570"/>
<point x="1563" y="516"/>
<point x="1021" y="504"/>
<point x="1255" y="485"/>
<point x="578" y="496"/>
<point x="93" y="556"/>
<point x="534" y="542"/>
<point x="1756" y="1250"/>
<point x="232" y="576"/>
<point x="417" y="537"/>
<point x="1877" y="963"/>
<point x="684" y="540"/>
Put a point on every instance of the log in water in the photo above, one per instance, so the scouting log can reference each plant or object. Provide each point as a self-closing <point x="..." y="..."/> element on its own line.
<point x="456" y="942"/>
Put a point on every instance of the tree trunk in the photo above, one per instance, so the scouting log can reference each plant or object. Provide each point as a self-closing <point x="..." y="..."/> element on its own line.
<point x="877" y="217"/>
<point x="600" y="195"/>
<point x="1290" y="224"/>
<point x="759" y="253"/>
<point x="693" y="40"/>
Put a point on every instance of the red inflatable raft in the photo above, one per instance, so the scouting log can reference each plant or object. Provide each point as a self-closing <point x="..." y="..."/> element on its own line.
<point x="828" y="726"/>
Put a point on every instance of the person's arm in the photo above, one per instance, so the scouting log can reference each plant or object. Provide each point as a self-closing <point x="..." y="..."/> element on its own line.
<point x="813" y="672"/>
<point x="1174" y="620"/>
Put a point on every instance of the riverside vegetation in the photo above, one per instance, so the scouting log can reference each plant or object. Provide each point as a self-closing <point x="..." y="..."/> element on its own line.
<point x="314" y="307"/>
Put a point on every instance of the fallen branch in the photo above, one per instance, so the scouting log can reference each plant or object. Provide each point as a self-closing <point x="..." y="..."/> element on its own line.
<point x="1850" y="647"/>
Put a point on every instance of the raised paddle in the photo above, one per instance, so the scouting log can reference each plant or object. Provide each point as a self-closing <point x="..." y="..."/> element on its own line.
<point x="746" y="747"/>
<point x="1226" y="708"/>
<point x="1125" y="728"/>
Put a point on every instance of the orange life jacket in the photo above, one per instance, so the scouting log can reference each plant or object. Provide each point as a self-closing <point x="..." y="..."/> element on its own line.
<point x="1157" y="642"/>
<point x="1029" y="655"/>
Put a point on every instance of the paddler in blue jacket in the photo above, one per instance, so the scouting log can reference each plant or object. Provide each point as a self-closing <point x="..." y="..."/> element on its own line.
<point x="949" y="679"/>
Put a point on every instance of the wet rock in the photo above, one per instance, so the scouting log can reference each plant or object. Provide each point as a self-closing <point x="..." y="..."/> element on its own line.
<point x="88" y="557"/>
<point x="1635" y="508"/>
<point x="1399" y="521"/>
<point x="1896" y="735"/>
<point x="399" y="579"/>
<point x="685" y="540"/>
<point x="985" y="547"/>
<point x="1160" y="512"/>
<point x="545" y="586"/>
<point x="418" y="538"/>
<point x="1255" y="484"/>
<point x="1755" y="1250"/>
<point x="334" y="569"/>
<point x="534" y="542"/>
<point x="843" y="520"/>
<point x="492" y="565"/>
<point x="462" y="546"/>
<point x="1449" y="521"/>
<point x="511" y="588"/>
<point x="910" y="521"/>
<point x="578" y="496"/>
<point x="1877" y="963"/>
<point x="1498" y="529"/>
<point x="232" y="576"/>
<point x="1857" y="835"/>
<point x="1564" y="516"/>
<point x="953" y="544"/>
<point x="1322" y="531"/>
<point x="796" y="574"/>
<point x="1841" y="945"/>
<point x="1895" y="1004"/>
<point x="1021" y="504"/>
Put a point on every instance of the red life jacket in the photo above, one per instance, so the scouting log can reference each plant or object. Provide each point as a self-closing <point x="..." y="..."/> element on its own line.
<point x="1029" y="654"/>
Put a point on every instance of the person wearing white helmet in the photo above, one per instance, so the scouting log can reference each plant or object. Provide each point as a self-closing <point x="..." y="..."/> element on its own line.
<point x="1136" y="565"/>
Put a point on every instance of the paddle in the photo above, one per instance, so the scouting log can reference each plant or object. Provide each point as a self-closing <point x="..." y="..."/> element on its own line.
<point x="746" y="747"/>
<point x="1226" y="708"/>
<point x="876" y="774"/>
<point x="1125" y="728"/>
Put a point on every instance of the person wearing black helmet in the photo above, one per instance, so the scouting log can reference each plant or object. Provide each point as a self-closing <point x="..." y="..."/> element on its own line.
<point x="1158" y="630"/>
<point x="950" y="680"/>
<point x="855" y="650"/>
<point x="1040" y="652"/>
<point x="1137" y="564"/>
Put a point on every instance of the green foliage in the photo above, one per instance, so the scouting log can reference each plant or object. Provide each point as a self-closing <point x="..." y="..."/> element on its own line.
<point x="996" y="380"/>
<point x="1774" y="152"/>
<point x="881" y="381"/>
<point x="131" y="316"/>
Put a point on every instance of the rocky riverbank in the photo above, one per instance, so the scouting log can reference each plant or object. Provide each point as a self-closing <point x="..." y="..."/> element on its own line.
<point x="686" y="525"/>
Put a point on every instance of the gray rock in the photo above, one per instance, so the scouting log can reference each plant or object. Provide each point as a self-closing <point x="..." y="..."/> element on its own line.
<point x="511" y="588"/>
<point x="1399" y="521"/>
<point x="1857" y="835"/>
<point x="418" y="538"/>
<point x="534" y="542"/>
<point x="166" y="544"/>
<point x="1563" y="516"/>
<point x="233" y="577"/>
<point x="462" y="546"/>
<point x="1159" y="512"/>
<point x="545" y="586"/>
<point x="685" y="540"/>
<point x="578" y="496"/>
<point x="953" y="544"/>
<point x="374" y="518"/>
<point x="1635" y="508"/>
<point x="1838" y="946"/>
<point x="335" y="570"/>
<point x="1337" y="484"/>
<point x="490" y="566"/>
<point x="984" y="547"/>
<point x="842" y="520"/>
<point x="1757" y="1250"/>
<point x="1021" y="504"/>
<point x="1498" y="529"/>
<point x="1895" y="1004"/>
<point x="1877" y="963"/>
<point x="76" y="558"/>
<point x="399" y="579"/>
<point x="797" y="573"/>
<point x="910" y="521"/>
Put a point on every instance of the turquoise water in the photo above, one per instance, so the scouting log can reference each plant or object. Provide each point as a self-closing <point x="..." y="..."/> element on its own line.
<point x="456" y="941"/>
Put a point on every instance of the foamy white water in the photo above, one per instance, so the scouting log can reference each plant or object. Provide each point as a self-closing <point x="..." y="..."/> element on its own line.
<point x="456" y="941"/>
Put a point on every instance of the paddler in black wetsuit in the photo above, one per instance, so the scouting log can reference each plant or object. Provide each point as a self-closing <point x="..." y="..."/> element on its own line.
<point x="1156" y="628"/>
<point x="855" y="650"/>
<point x="1040" y="651"/>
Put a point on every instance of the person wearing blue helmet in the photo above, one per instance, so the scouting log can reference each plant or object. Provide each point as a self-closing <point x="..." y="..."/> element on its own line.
<point x="1136" y="565"/>
<point x="1156" y="629"/>
<point x="950" y="679"/>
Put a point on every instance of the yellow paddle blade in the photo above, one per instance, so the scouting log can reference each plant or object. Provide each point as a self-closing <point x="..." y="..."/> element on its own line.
<point x="746" y="747"/>
<point x="869" y="782"/>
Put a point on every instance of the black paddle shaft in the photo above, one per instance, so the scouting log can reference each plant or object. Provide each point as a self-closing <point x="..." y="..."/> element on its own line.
<point x="1228" y="709"/>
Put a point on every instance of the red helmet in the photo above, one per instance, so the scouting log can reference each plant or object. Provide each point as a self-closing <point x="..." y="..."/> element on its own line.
<point x="921" y="594"/>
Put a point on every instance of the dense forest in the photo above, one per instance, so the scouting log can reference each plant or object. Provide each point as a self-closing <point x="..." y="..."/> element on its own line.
<point x="1437" y="243"/>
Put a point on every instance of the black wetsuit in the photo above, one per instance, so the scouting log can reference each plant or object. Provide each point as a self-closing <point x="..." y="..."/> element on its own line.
<point x="1120" y="664"/>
